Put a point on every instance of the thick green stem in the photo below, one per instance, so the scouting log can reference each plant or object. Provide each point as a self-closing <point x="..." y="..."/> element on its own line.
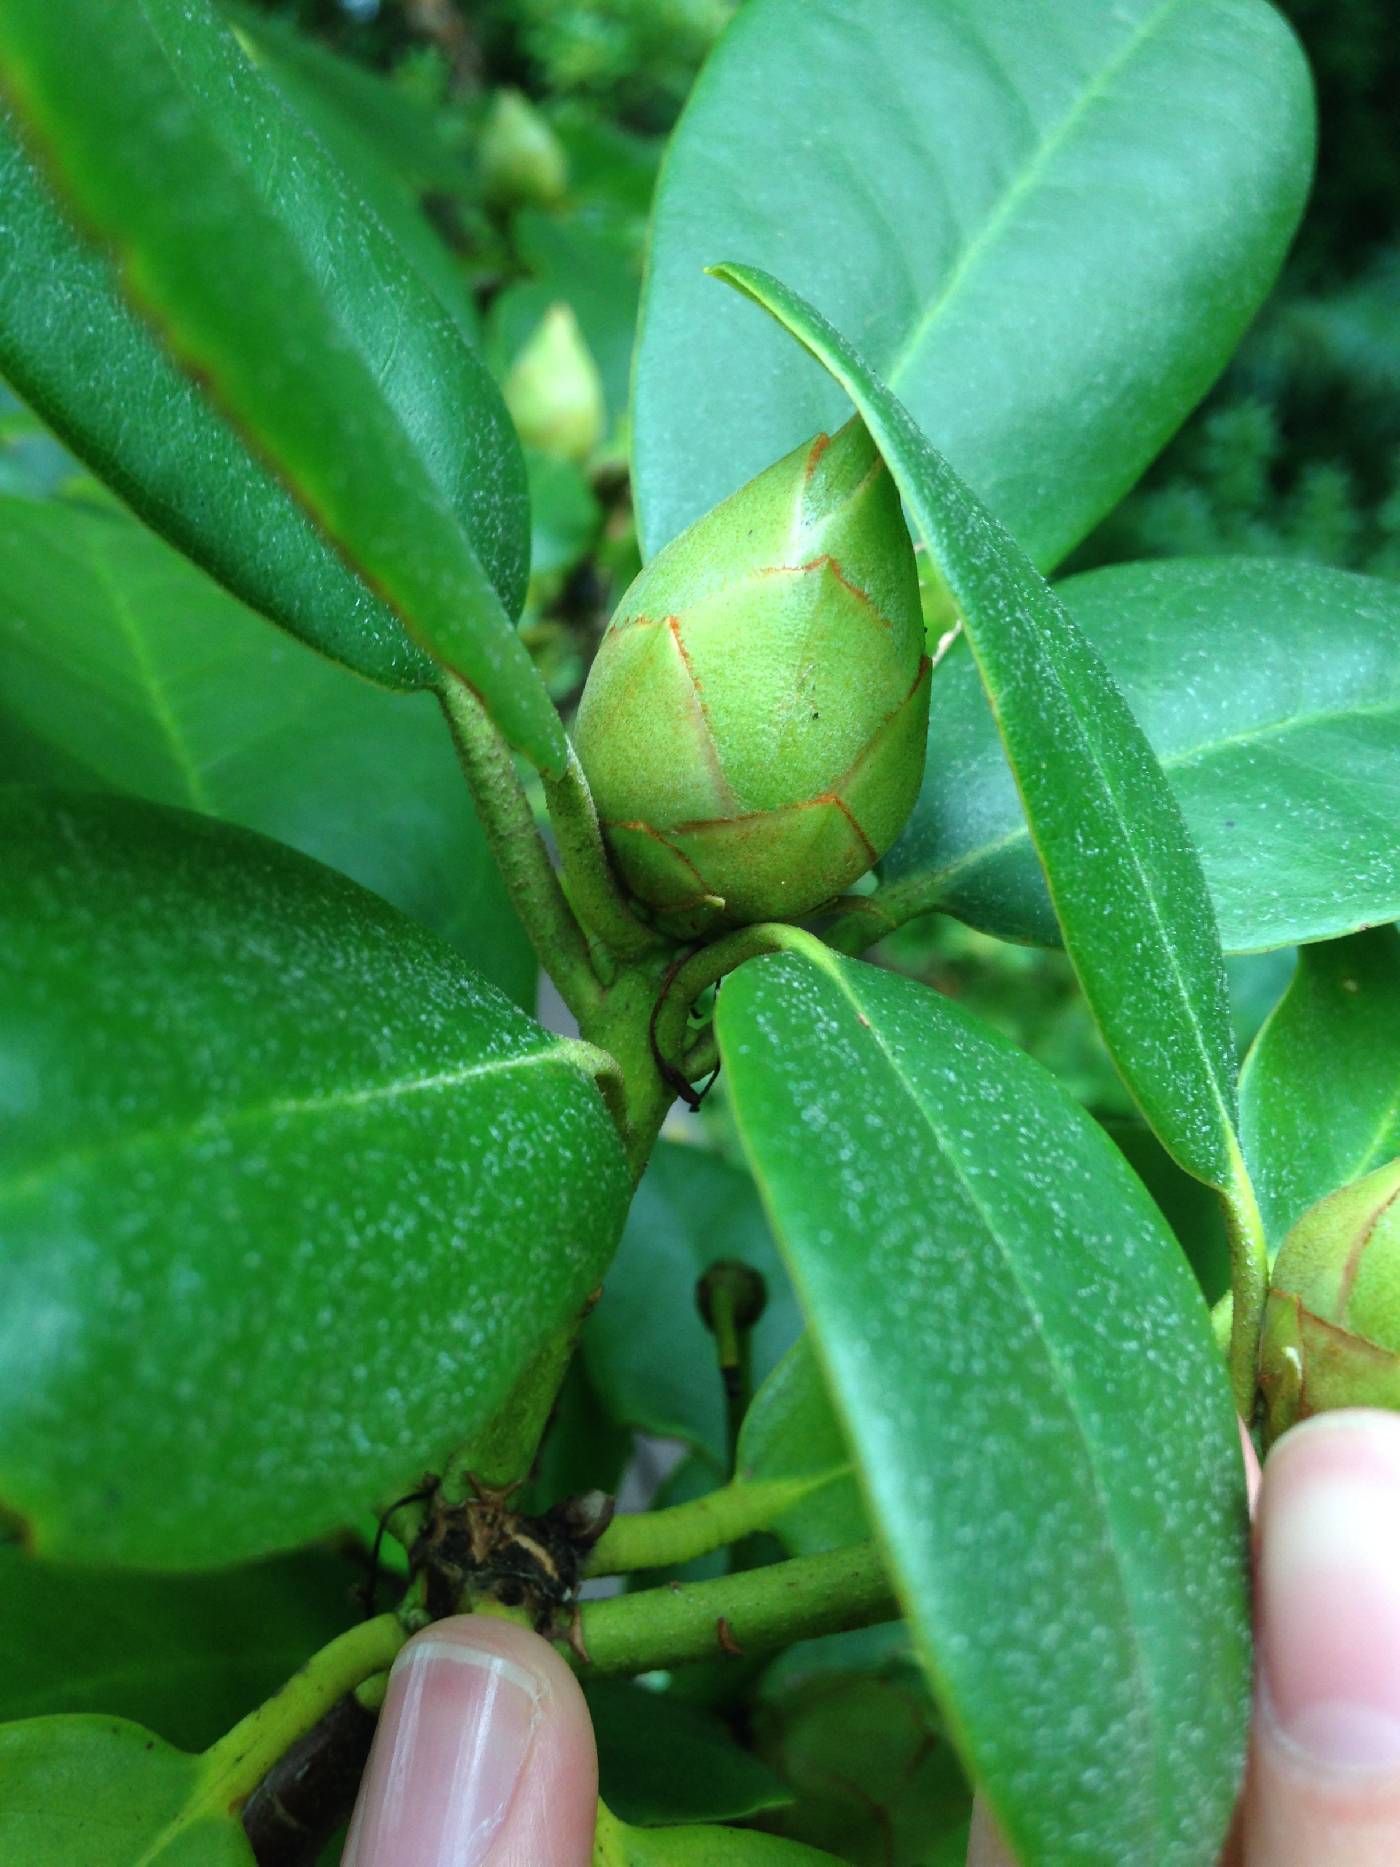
<point x="596" y="895"/>
<point x="705" y="968"/>
<point x="518" y="849"/>
<point x="863" y="923"/>
<point x="749" y="1613"/>
<point x="667" y="1539"/>
<point x="503" y="1454"/>
<point x="238" y="1762"/>
<point x="621" y="1025"/>
<point x="869" y="918"/>
<point x="1249" y="1285"/>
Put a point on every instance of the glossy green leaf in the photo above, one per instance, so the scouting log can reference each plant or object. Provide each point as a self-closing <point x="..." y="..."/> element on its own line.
<point x="422" y="142"/>
<point x="280" y="293"/>
<point x="1046" y="226"/>
<point x="1124" y="877"/>
<point x="665" y="1763"/>
<point x="113" y="394"/>
<point x="123" y="667"/>
<point x="286" y="1195"/>
<point x="1320" y="1092"/>
<point x="324" y="90"/>
<point x="791" y="1432"/>
<point x="1025" y="1370"/>
<point x="107" y="1794"/>
<point x="186" y="1655"/>
<point x="647" y="1350"/>
<point x="1270" y="691"/>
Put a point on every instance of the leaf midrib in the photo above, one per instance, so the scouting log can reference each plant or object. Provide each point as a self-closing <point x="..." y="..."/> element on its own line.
<point x="183" y="1134"/>
<point x="1022" y="185"/>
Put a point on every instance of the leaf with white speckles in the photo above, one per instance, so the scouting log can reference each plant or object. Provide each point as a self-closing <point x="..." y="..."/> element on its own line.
<point x="286" y="1194"/>
<point x="250" y="358"/>
<point x="1026" y="1375"/>
<point x="1122" y="871"/>
<point x="1270" y="692"/>
<point x="1320" y="1092"/>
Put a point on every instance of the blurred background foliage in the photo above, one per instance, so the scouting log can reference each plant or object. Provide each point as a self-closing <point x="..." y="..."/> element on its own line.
<point x="526" y="135"/>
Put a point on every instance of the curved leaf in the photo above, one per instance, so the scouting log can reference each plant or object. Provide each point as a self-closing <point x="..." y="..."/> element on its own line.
<point x="122" y="667"/>
<point x="1320" y="1090"/>
<point x="108" y="1794"/>
<point x="1025" y="1370"/>
<point x="1125" y="879"/>
<point x="1046" y="226"/>
<point x="272" y="285"/>
<point x="286" y="1196"/>
<point x="187" y="1655"/>
<point x="1270" y="691"/>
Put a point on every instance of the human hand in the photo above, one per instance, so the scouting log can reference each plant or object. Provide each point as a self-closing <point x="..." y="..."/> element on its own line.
<point x="1323" y="1788"/>
<point x="483" y="1757"/>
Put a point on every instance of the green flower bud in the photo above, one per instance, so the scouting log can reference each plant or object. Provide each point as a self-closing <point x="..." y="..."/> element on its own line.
<point x="553" y="389"/>
<point x="521" y="160"/>
<point x="1332" y="1324"/>
<point x="753" y="726"/>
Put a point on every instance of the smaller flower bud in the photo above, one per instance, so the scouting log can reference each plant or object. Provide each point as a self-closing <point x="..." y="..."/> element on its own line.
<point x="753" y="726"/>
<point x="1332" y="1324"/>
<point x="553" y="389"/>
<point x="521" y="161"/>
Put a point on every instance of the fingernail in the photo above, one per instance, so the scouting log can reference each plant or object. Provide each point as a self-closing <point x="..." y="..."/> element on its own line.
<point x="1330" y="1589"/>
<point x="451" y="1744"/>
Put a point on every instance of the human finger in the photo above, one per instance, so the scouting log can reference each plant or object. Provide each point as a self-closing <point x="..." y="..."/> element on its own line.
<point x="1324" y="1780"/>
<point x="483" y="1756"/>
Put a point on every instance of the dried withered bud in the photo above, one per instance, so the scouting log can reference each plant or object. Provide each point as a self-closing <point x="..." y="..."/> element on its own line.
<point x="753" y="727"/>
<point x="1332" y="1325"/>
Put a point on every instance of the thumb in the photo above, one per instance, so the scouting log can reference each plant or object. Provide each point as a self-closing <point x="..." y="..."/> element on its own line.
<point x="1324" y="1782"/>
<point x="483" y="1757"/>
